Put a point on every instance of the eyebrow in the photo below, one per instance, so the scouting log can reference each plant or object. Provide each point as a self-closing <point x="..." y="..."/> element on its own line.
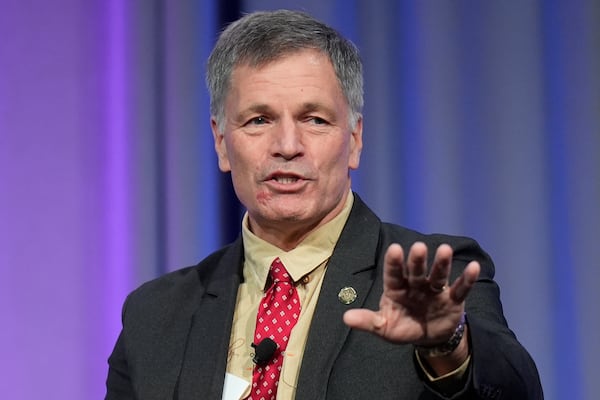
<point x="316" y="106"/>
<point x="313" y="106"/>
<point x="256" y="108"/>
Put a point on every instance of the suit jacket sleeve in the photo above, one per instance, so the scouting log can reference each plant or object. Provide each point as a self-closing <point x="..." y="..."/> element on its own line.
<point x="500" y="366"/>
<point x="339" y="362"/>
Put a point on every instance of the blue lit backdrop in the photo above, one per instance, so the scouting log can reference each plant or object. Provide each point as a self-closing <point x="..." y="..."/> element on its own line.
<point x="482" y="118"/>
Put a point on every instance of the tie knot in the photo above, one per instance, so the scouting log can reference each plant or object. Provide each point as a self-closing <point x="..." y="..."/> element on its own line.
<point x="279" y="273"/>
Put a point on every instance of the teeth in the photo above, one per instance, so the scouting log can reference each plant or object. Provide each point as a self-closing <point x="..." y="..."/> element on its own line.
<point x="286" y="180"/>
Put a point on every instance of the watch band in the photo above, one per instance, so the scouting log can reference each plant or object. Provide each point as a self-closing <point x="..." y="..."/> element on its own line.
<point x="449" y="346"/>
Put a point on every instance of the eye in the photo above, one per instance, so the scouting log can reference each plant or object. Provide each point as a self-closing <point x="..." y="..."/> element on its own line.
<point x="318" y="121"/>
<point x="257" y="121"/>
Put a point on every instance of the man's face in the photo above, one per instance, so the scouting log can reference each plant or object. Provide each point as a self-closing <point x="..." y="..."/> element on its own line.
<point x="288" y="143"/>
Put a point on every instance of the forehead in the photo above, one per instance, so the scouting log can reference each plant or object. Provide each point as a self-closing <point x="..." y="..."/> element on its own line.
<point x="298" y="73"/>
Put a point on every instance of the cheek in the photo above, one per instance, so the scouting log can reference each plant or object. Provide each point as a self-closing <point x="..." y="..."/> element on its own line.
<point x="335" y="163"/>
<point x="245" y="172"/>
<point x="237" y="159"/>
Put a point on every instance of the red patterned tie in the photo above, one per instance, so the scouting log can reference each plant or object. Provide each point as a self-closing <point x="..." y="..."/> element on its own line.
<point x="277" y="314"/>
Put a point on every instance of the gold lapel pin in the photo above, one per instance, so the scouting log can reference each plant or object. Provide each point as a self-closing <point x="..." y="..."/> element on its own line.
<point x="347" y="295"/>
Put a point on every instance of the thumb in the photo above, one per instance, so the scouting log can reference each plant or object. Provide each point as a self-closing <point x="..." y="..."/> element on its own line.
<point x="365" y="320"/>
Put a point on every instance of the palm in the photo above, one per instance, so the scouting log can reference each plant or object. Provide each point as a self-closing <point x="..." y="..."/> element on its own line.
<point x="415" y="307"/>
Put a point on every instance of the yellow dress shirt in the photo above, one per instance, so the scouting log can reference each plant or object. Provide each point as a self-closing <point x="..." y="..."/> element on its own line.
<point x="306" y="264"/>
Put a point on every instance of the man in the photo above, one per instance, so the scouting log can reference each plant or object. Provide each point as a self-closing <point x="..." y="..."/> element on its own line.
<point x="317" y="298"/>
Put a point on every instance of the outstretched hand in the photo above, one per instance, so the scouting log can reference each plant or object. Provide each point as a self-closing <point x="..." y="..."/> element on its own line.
<point x="416" y="307"/>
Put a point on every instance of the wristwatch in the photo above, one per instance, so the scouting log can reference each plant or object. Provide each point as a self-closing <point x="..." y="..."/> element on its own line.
<point x="448" y="347"/>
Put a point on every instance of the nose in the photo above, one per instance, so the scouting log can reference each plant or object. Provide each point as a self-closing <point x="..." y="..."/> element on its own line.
<point x="287" y="141"/>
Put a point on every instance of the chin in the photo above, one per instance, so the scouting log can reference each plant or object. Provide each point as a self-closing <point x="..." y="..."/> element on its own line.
<point x="288" y="212"/>
<point x="290" y="215"/>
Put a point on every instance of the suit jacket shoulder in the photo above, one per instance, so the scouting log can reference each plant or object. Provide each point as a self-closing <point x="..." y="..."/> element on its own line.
<point x="176" y="332"/>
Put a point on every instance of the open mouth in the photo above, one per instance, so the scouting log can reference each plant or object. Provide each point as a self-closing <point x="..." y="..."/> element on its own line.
<point x="285" y="180"/>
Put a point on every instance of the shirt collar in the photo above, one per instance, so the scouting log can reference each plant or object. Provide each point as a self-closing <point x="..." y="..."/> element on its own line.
<point x="315" y="249"/>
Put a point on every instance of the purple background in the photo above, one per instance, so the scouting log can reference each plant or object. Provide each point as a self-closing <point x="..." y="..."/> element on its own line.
<point x="481" y="118"/>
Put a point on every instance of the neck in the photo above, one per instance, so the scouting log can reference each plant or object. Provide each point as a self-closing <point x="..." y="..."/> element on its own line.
<point x="287" y="238"/>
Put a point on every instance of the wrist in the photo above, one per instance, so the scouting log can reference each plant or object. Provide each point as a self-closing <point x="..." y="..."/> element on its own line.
<point x="448" y="347"/>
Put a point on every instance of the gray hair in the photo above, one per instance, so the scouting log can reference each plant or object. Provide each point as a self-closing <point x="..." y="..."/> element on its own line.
<point x="262" y="37"/>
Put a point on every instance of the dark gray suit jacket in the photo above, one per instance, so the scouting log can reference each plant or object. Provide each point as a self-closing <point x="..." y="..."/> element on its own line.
<point x="176" y="329"/>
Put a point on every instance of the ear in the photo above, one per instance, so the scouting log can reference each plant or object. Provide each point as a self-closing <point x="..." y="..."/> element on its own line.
<point x="220" y="146"/>
<point x="356" y="144"/>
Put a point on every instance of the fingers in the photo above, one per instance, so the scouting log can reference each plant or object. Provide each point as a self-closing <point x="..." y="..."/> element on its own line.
<point x="440" y="270"/>
<point x="437" y="279"/>
<point x="412" y="273"/>
<point x="463" y="284"/>
<point x="416" y="265"/>
<point x="393" y="277"/>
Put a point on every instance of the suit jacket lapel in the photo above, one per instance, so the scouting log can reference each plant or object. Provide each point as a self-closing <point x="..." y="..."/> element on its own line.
<point x="205" y="359"/>
<point x="351" y="265"/>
